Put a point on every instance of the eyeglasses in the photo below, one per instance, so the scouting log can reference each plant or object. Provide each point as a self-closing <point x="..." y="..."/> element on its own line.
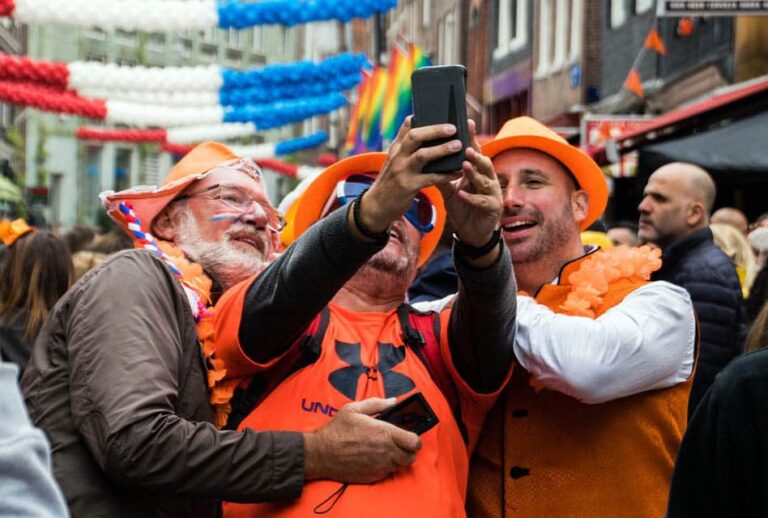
<point x="422" y="213"/>
<point x="239" y="200"/>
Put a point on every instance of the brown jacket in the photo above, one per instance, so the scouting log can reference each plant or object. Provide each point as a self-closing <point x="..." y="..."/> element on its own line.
<point x="118" y="383"/>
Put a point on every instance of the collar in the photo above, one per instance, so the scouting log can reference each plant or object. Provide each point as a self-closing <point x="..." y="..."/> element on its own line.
<point x="563" y="277"/>
<point x="682" y="246"/>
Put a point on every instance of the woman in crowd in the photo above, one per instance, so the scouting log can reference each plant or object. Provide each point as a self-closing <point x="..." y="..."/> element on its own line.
<point x="36" y="271"/>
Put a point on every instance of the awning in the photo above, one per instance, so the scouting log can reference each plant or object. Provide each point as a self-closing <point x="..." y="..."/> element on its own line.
<point x="735" y="149"/>
<point x="734" y="101"/>
<point x="9" y="191"/>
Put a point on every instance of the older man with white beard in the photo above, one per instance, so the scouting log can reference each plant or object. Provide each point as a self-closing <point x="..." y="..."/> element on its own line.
<point x="124" y="381"/>
<point x="326" y="324"/>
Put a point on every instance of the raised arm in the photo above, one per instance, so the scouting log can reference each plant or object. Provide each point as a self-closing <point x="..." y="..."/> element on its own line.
<point x="482" y="327"/>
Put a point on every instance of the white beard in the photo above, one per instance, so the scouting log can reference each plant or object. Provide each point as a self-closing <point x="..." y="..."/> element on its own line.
<point x="225" y="261"/>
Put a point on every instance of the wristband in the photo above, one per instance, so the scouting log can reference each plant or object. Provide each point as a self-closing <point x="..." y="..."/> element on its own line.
<point x="376" y="237"/>
<point x="474" y="252"/>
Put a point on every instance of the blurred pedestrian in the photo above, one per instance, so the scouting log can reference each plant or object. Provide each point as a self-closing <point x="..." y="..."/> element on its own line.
<point x="623" y="233"/>
<point x="36" y="272"/>
<point x="736" y="247"/>
<point x="27" y="486"/>
<point x="731" y="216"/>
<point x="674" y="215"/>
<point x="722" y="467"/>
<point x="758" y="293"/>
<point x="758" y="333"/>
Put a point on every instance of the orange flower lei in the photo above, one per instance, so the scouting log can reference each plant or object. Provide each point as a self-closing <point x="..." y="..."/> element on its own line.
<point x="195" y="279"/>
<point x="591" y="281"/>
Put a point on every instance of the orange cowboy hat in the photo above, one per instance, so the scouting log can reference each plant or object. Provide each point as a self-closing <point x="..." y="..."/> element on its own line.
<point x="525" y="132"/>
<point x="147" y="203"/>
<point x="308" y="208"/>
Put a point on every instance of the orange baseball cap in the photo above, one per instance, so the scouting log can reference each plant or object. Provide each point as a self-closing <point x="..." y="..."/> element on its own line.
<point x="147" y="203"/>
<point x="525" y="132"/>
<point x="308" y="209"/>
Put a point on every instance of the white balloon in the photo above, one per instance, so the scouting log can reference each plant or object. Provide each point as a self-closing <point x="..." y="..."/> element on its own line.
<point x="161" y="97"/>
<point x="146" y="115"/>
<point x="89" y="75"/>
<point x="129" y="15"/>
<point x="226" y="131"/>
<point x="256" y="152"/>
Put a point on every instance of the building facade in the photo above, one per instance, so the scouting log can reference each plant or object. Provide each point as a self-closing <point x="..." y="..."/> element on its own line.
<point x="67" y="173"/>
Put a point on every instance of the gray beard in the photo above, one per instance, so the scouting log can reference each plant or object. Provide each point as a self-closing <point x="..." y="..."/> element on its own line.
<point x="226" y="263"/>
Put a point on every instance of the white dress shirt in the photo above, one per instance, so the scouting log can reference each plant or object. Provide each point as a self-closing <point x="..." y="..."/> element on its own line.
<point x="645" y="342"/>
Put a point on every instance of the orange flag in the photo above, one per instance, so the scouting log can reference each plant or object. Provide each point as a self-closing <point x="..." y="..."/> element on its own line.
<point x="633" y="83"/>
<point x="685" y="27"/>
<point x="654" y="42"/>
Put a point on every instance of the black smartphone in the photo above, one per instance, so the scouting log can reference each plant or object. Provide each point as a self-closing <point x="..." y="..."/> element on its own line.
<point x="412" y="413"/>
<point x="439" y="97"/>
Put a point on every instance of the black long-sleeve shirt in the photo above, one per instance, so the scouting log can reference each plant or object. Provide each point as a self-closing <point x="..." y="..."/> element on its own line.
<point x="282" y="301"/>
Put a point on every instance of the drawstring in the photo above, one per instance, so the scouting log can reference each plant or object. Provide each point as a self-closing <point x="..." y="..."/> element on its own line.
<point x="331" y="500"/>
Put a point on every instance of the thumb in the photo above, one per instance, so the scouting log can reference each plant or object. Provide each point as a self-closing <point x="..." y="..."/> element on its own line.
<point x="372" y="405"/>
<point x="405" y="440"/>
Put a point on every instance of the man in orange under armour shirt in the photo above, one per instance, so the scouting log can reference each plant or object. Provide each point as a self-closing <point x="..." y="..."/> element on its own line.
<point x="343" y="284"/>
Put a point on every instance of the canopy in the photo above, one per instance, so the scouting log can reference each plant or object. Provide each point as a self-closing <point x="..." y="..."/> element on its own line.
<point x="736" y="149"/>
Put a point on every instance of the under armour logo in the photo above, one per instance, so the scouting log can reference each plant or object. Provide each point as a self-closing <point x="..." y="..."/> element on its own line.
<point x="345" y="380"/>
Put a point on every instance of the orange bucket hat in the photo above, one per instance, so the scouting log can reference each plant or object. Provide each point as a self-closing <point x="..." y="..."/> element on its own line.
<point x="525" y="132"/>
<point x="308" y="208"/>
<point x="148" y="202"/>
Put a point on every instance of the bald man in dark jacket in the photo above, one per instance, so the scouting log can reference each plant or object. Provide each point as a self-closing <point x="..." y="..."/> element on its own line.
<point x="674" y="215"/>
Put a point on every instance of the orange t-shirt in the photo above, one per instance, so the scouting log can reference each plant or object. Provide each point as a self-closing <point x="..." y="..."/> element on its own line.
<point x="362" y="355"/>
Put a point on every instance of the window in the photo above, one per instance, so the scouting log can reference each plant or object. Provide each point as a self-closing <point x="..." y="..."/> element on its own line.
<point x="448" y="52"/>
<point x="447" y="45"/>
<point x="577" y="17"/>
<point x="209" y="35"/>
<point x="127" y="37"/>
<point x="258" y="39"/>
<point x="618" y="13"/>
<point x="512" y="30"/>
<point x="122" y="179"/>
<point x="561" y="33"/>
<point x="426" y="13"/>
<point x="642" y="6"/>
<point x="233" y="38"/>
<point x="545" y="37"/>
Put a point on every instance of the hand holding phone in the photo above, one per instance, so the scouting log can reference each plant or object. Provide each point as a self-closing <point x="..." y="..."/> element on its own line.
<point x="412" y="414"/>
<point x="439" y="97"/>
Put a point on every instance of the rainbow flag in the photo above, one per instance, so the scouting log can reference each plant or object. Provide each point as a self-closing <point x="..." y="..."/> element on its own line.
<point x="372" y="129"/>
<point x="384" y="101"/>
<point x="398" y="93"/>
<point x="356" y="118"/>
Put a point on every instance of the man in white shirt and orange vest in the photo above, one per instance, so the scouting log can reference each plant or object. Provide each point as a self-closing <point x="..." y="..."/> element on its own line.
<point x="592" y="419"/>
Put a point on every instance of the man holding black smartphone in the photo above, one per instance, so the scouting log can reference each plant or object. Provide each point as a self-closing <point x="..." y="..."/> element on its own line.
<point x="327" y="324"/>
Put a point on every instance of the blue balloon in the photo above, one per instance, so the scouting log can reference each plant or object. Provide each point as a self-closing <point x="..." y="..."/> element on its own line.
<point x="237" y="15"/>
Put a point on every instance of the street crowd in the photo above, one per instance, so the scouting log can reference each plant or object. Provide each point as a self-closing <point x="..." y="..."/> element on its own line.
<point x="215" y="356"/>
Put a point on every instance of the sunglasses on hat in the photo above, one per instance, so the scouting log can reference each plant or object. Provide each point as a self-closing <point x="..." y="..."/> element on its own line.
<point x="421" y="214"/>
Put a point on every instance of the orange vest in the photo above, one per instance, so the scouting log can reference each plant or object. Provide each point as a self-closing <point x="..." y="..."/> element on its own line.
<point x="544" y="454"/>
<point x="435" y="485"/>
